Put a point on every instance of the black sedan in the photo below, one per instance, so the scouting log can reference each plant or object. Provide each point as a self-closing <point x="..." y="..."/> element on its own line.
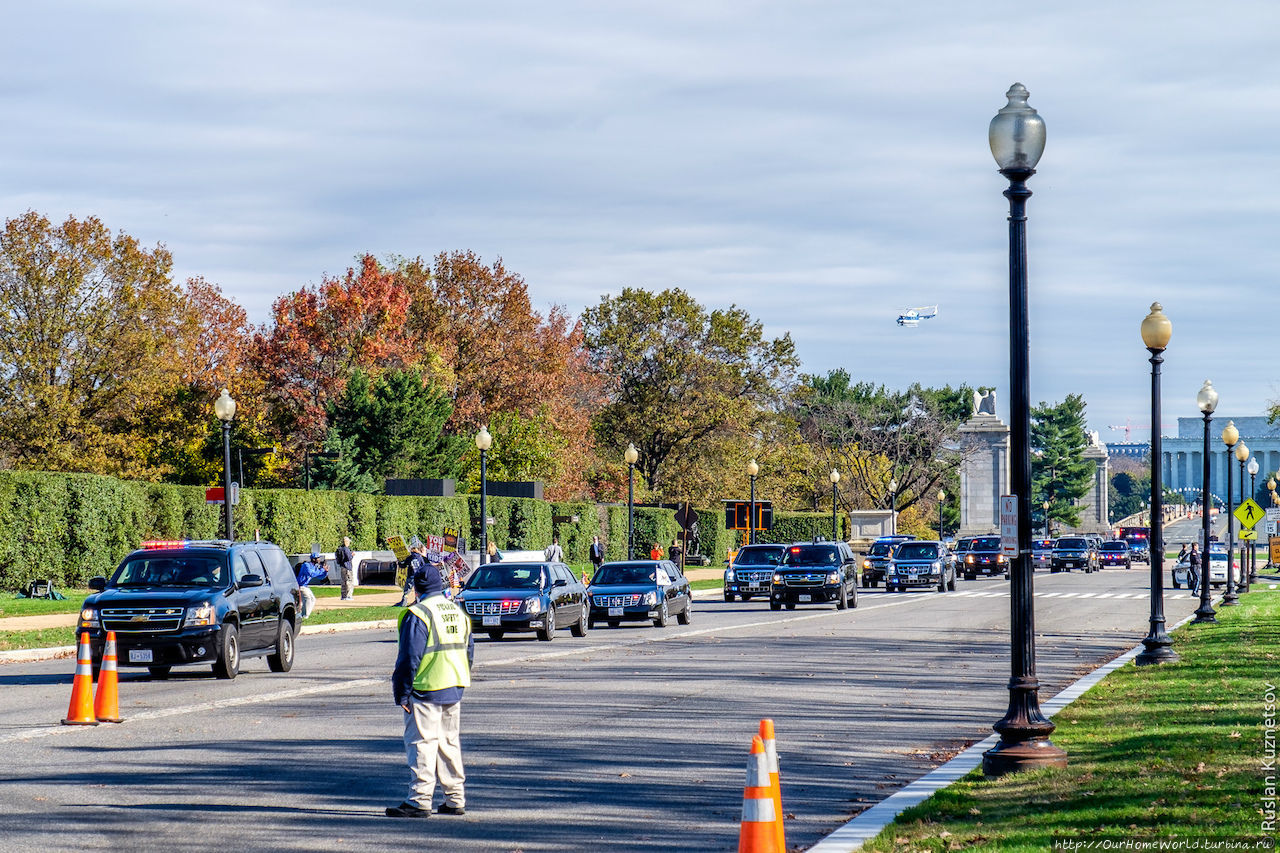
<point x="506" y="598"/>
<point x="640" y="591"/>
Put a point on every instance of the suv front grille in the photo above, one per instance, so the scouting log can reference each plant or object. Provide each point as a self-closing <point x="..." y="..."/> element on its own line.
<point x="806" y="579"/>
<point x="629" y="600"/>
<point x="493" y="608"/>
<point x="140" y="619"/>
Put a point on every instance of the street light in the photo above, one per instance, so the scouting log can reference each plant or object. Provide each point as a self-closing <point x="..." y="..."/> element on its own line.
<point x="1233" y="593"/>
<point x="1017" y="137"/>
<point x="631" y="455"/>
<point x="1231" y="438"/>
<point x="893" y="507"/>
<point x="1158" y="648"/>
<point x="484" y="440"/>
<point x="225" y="408"/>
<point x="1046" y="505"/>
<point x="942" y="496"/>
<point x="835" y="525"/>
<point x="1207" y="401"/>
<point x="1271" y="487"/>
<point x="752" y="470"/>
<point x="1252" y="574"/>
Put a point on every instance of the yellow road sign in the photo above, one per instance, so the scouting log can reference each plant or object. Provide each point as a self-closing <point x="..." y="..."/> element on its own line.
<point x="1248" y="534"/>
<point x="1275" y="550"/>
<point x="1249" y="513"/>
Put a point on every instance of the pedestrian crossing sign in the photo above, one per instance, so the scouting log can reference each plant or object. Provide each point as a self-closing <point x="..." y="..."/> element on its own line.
<point x="1249" y="513"/>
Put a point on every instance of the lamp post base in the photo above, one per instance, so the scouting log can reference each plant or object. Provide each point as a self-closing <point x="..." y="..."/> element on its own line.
<point x="1205" y="616"/>
<point x="1230" y="599"/>
<point x="1024" y="735"/>
<point x="1159" y="649"/>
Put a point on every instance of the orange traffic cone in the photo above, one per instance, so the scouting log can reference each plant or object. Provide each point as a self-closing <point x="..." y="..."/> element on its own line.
<point x="106" y="704"/>
<point x="80" y="712"/>
<point x="775" y="779"/>
<point x="758" y="834"/>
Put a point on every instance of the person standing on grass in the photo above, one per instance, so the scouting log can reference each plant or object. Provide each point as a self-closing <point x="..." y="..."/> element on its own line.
<point x="554" y="553"/>
<point x="345" y="558"/>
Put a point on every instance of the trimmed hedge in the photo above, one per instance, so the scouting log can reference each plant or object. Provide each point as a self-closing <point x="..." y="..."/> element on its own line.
<point x="800" y="527"/>
<point x="575" y="537"/>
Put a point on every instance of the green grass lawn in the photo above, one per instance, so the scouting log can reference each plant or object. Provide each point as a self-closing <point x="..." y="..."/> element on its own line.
<point x="11" y="605"/>
<point x="1167" y="752"/>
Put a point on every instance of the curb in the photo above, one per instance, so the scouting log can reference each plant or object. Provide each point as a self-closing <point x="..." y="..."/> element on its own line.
<point x="866" y="826"/>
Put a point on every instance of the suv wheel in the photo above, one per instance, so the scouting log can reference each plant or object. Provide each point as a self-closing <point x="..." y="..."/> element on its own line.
<point x="951" y="584"/>
<point x="228" y="663"/>
<point x="775" y="605"/>
<point x="282" y="659"/>
<point x="728" y="596"/>
<point x="548" y="633"/>
<point x="842" y="600"/>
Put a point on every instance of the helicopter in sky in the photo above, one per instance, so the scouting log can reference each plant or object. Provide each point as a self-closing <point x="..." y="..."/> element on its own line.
<point x="911" y="317"/>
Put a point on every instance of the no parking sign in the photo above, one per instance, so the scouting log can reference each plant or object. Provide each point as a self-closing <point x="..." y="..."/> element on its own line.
<point x="1009" y="525"/>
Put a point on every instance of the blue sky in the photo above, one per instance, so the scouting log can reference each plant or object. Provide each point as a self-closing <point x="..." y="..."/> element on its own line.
<point x="821" y="164"/>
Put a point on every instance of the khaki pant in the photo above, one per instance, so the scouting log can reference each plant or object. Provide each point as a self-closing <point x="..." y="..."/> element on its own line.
<point x="431" y="744"/>
<point x="349" y="582"/>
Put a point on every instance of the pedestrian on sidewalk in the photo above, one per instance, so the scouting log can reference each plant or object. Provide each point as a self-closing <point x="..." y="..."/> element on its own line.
<point x="596" y="554"/>
<point x="309" y="570"/>
<point x="554" y="553"/>
<point x="655" y="553"/>
<point x="675" y="553"/>
<point x="433" y="668"/>
<point x="1193" y="561"/>
<point x="495" y="556"/>
<point x="345" y="558"/>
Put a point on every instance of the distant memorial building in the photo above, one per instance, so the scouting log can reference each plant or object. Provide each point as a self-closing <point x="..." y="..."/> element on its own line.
<point x="1182" y="457"/>
<point x="984" y="474"/>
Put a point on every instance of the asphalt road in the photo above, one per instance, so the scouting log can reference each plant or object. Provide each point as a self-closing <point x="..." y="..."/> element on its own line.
<point x="631" y="739"/>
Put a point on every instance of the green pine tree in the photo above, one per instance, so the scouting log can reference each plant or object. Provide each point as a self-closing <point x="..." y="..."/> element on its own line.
<point x="1059" y="471"/>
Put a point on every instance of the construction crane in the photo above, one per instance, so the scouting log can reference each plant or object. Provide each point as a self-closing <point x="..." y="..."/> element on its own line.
<point x="1129" y="426"/>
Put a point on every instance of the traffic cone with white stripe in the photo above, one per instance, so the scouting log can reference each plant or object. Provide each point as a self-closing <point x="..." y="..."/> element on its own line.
<point x="775" y="779"/>
<point x="106" y="704"/>
<point x="758" y="834"/>
<point x="80" y="711"/>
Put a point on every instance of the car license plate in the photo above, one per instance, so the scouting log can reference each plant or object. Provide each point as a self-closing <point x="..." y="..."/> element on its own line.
<point x="615" y="611"/>
<point x="804" y="598"/>
<point x="491" y="620"/>
<point x="140" y="656"/>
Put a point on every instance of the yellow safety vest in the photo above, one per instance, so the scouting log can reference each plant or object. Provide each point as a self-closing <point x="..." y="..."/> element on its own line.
<point x="444" y="660"/>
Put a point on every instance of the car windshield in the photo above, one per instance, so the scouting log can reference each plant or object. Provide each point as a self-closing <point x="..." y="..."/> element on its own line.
<point x="986" y="543"/>
<point x="627" y="573"/>
<point x="170" y="570"/>
<point x="881" y="549"/>
<point x="811" y="555"/>
<point x="1071" y="545"/>
<point x="1114" y="546"/>
<point x="962" y="545"/>
<point x="758" y="557"/>
<point x="507" y="576"/>
<point x="917" y="551"/>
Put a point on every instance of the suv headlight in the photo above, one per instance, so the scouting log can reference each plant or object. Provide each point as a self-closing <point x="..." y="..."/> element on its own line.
<point x="937" y="565"/>
<point x="866" y="563"/>
<point x="201" y="615"/>
<point x="650" y="599"/>
<point x="999" y="558"/>
<point x="834" y="577"/>
<point x="533" y="605"/>
<point x="88" y="617"/>
<point x="777" y="578"/>
<point x="969" y="559"/>
<point x="728" y="575"/>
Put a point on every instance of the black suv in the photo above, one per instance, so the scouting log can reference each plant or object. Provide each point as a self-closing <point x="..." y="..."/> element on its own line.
<point x="821" y="571"/>
<point x="174" y="602"/>
<point x="985" y="557"/>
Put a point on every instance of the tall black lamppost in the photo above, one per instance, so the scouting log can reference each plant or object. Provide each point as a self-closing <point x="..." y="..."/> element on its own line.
<point x="1158" y="648"/>
<point x="1231" y="438"/>
<point x="1045" y="506"/>
<point x="893" y="507"/>
<point x="1252" y="574"/>
<point x="942" y="496"/>
<point x="1242" y="456"/>
<point x="631" y="455"/>
<point x="225" y="408"/>
<point x="1017" y="139"/>
<point x="1207" y="400"/>
<point x="752" y="471"/>
<point x="835" y="500"/>
<point x="484" y="440"/>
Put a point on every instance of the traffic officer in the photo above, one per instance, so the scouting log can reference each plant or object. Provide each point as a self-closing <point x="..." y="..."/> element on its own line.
<point x="433" y="668"/>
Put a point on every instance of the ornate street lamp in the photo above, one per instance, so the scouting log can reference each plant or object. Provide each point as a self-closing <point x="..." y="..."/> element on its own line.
<point x="1238" y="573"/>
<point x="1017" y="139"/>
<point x="631" y="455"/>
<point x="1231" y="438"/>
<point x="1158" y="648"/>
<point x="1045" y="506"/>
<point x="942" y="496"/>
<point x="1207" y="401"/>
<point x="483" y="442"/>
<point x="225" y="408"/>
<point x="1252" y="574"/>
<point x="752" y="470"/>
<point x="893" y="507"/>
<point x="835" y="525"/>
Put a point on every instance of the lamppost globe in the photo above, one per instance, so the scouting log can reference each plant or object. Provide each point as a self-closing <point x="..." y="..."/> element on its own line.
<point x="631" y="455"/>
<point x="1207" y="398"/>
<point x="1016" y="134"/>
<point x="752" y="468"/>
<point x="1156" y="329"/>
<point x="1242" y="451"/>
<point x="893" y="485"/>
<point x="835" y="476"/>
<point x="224" y="407"/>
<point x="484" y="440"/>
<point x="1230" y="435"/>
<point x="942" y="496"/>
<point x="1253" y="467"/>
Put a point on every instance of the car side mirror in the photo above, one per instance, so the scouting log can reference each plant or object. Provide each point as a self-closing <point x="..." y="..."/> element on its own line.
<point x="250" y="580"/>
<point x="98" y="584"/>
<point x="560" y="582"/>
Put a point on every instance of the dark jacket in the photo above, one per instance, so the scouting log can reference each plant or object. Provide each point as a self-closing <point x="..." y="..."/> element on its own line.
<point x="344" y="556"/>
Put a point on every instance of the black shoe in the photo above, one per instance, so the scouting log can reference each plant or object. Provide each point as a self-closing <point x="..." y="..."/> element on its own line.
<point x="451" y="810"/>
<point x="407" y="810"/>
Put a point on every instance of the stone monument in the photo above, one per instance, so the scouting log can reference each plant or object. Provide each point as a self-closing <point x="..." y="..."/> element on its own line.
<point x="984" y="467"/>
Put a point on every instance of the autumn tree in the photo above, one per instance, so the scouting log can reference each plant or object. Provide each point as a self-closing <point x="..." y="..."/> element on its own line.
<point x="85" y="348"/>
<point x="677" y="376"/>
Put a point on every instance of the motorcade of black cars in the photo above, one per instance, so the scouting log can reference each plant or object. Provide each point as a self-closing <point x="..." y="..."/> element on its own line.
<point x="985" y="557"/>
<point x="512" y="598"/>
<point x="812" y="573"/>
<point x="876" y="562"/>
<point x="920" y="564"/>
<point x="1114" y="553"/>
<point x="1073" y="552"/>
<point x="178" y="602"/>
<point x="751" y="572"/>
<point x="638" y="591"/>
